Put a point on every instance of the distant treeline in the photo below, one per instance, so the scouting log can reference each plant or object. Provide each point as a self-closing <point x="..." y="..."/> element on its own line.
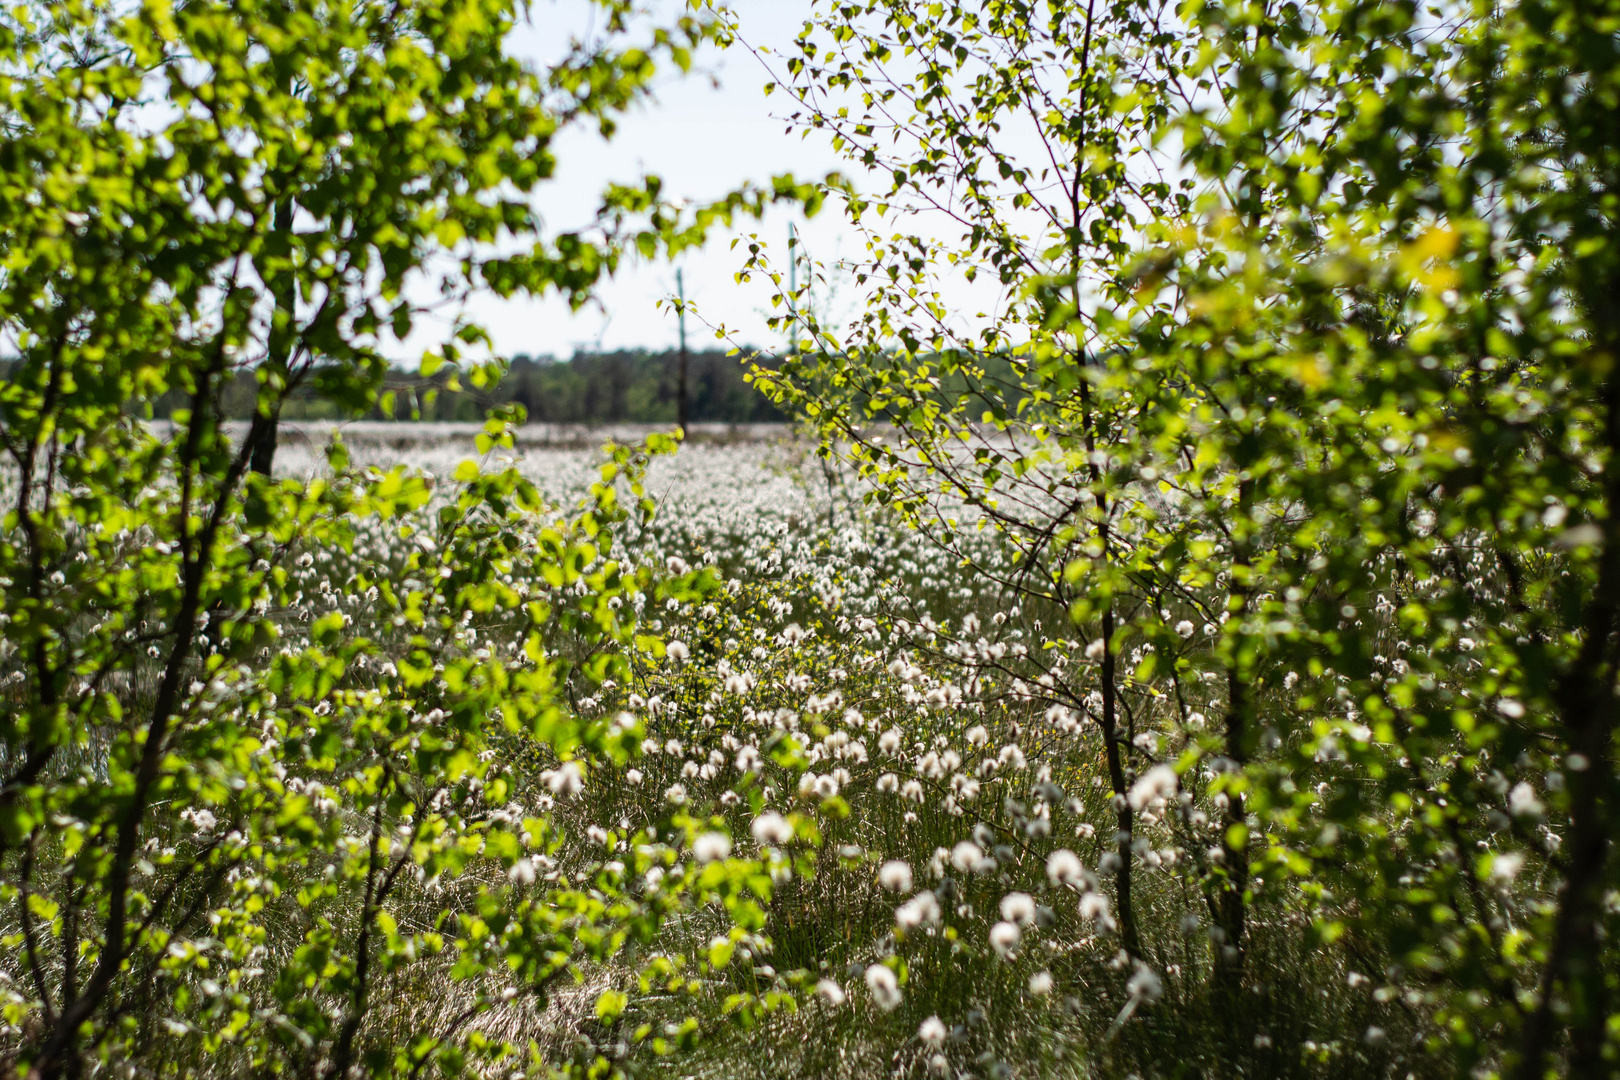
<point x="634" y="386"/>
<point x="627" y="386"/>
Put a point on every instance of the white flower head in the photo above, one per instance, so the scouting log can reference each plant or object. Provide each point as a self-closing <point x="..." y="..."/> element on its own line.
<point x="830" y="992"/>
<point x="677" y="651"/>
<point x="771" y="828"/>
<point x="1185" y="628"/>
<point x="884" y="986"/>
<point x="895" y="876"/>
<point x="1505" y="867"/>
<point x="1004" y="938"/>
<point x="1063" y="868"/>
<point x="932" y="1031"/>
<point x="1018" y="908"/>
<point x="711" y="847"/>
<point x="1040" y="983"/>
<point x="919" y="910"/>
<point x="1522" y="801"/>
<point x="1144" y="985"/>
<point x="966" y="855"/>
<point x="566" y="780"/>
<point x="1093" y="906"/>
<point x="1158" y="782"/>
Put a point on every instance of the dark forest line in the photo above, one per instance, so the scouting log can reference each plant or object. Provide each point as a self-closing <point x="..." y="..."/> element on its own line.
<point x="623" y="386"/>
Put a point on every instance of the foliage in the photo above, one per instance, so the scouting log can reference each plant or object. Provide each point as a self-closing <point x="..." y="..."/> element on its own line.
<point x="227" y="832"/>
<point x="1311" y="315"/>
<point x="1204" y="667"/>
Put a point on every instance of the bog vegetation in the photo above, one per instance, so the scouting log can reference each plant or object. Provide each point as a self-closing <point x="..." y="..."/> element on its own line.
<point x="1204" y="666"/>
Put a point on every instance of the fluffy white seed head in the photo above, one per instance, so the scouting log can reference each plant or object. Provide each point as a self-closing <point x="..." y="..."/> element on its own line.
<point x="920" y="910"/>
<point x="1505" y="867"/>
<point x="884" y="986"/>
<point x="711" y="847"/>
<point x="771" y="828"/>
<point x="1522" y="801"/>
<point x="566" y="780"/>
<point x="965" y="855"/>
<point x="1004" y="938"/>
<point x="1063" y="868"/>
<point x="895" y="875"/>
<point x="1158" y="782"/>
<point x="830" y="992"/>
<point x="1144" y="985"/>
<point x="1018" y="908"/>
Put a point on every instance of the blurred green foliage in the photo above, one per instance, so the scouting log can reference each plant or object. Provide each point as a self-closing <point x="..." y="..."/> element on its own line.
<point x="223" y="835"/>
<point x="1316" y="317"/>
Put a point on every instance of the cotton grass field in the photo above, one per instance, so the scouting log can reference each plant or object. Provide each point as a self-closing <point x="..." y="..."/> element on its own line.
<point x="877" y="725"/>
<point x="1177" y="638"/>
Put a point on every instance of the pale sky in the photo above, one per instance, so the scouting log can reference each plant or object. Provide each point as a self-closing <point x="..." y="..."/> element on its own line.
<point x="703" y="140"/>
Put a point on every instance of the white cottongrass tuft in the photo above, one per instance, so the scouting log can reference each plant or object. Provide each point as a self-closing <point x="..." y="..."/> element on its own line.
<point x="1505" y="867"/>
<point x="566" y="780"/>
<point x="830" y="992"/>
<point x="1144" y="985"/>
<point x="1063" y="868"/>
<point x="895" y="875"/>
<point x="965" y="856"/>
<point x="771" y="828"/>
<point x="1522" y="801"/>
<point x="884" y="986"/>
<point x="919" y="910"/>
<point x="522" y="872"/>
<point x="931" y="1032"/>
<point x="677" y="651"/>
<point x="1040" y="983"/>
<point x="1185" y="628"/>
<point x="1019" y="908"/>
<point x="1158" y="782"/>
<point x="1004" y="938"/>
<point x="1093" y="906"/>
<point x="711" y="847"/>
